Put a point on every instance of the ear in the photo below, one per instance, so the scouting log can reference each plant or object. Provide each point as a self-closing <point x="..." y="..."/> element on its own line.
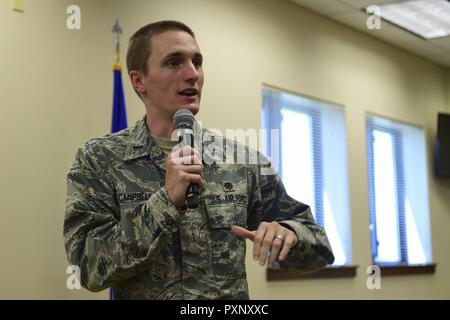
<point x="136" y="81"/>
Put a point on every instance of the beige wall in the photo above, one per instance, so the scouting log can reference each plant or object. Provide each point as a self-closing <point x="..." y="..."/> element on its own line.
<point x="56" y="93"/>
<point x="447" y="87"/>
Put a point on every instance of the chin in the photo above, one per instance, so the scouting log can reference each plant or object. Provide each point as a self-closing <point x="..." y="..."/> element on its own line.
<point x="194" y="108"/>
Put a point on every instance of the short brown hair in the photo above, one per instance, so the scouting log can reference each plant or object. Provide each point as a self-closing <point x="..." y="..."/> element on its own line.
<point x="139" y="45"/>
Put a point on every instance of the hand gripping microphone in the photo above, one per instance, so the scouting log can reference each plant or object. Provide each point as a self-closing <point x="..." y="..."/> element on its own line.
<point x="183" y="120"/>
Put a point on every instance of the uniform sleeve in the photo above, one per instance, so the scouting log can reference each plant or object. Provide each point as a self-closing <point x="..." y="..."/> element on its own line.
<point x="109" y="247"/>
<point x="269" y="201"/>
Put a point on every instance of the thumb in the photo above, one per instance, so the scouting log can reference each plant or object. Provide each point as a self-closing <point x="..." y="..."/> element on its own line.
<point x="243" y="233"/>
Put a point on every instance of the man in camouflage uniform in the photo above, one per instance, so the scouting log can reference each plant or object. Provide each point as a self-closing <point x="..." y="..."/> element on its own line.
<point x="126" y="225"/>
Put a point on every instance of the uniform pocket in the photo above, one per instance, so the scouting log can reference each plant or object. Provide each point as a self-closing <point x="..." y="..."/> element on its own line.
<point x="158" y="270"/>
<point x="228" y="250"/>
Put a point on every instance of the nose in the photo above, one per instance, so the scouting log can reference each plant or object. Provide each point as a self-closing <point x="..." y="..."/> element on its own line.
<point x="192" y="73"/>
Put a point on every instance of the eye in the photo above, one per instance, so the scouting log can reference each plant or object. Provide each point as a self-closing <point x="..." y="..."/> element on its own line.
<point x="197" y="62"/>
<point x="173" y="63"/>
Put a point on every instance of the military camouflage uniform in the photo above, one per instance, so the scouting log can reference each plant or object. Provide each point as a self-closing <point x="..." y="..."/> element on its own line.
<point x="122" y="231"/>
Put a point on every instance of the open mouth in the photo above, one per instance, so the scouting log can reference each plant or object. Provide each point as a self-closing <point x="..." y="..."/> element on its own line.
<point x="188" y="92"/>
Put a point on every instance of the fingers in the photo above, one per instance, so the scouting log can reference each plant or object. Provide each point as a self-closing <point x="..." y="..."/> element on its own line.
<point x="190" y="163"/>
<point x="186" y="155"/>
<point x="187" y="160"/>
<point x="183" y="167"/>
<point x="188" y="178"/>
<point x="277" y="244"/>
<point x="272" y="241"/>
<point x="257" y="242"/>
<point x="193" y="169"/>
<point x="289" y="242"/>
<point x="243" y="233"/>
<point x="266" y="245"/>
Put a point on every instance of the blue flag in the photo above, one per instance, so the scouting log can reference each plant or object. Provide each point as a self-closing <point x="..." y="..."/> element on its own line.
<point x="119" y="112"/>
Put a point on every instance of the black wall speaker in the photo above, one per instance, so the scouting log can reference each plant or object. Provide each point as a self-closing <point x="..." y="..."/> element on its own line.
<point x="442" y="147"/>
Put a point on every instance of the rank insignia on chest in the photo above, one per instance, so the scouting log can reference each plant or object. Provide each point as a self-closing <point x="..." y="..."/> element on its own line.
<point x="228" y="186"/>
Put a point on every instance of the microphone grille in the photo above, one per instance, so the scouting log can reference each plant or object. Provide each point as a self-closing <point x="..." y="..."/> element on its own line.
<point x="183" y="117"/>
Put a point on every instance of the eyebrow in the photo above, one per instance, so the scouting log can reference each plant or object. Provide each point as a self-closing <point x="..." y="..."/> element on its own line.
<point x="179" y="54"/>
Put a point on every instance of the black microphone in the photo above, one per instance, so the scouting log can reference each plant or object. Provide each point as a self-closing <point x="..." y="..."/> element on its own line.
<point x="183" y="120"/>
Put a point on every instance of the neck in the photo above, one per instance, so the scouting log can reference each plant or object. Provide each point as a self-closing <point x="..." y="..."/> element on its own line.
<point x="159" y="124"/>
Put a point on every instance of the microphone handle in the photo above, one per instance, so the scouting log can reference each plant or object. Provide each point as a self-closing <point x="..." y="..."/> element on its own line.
<point x="192" y="190"/>
<point x="192" y="196"/>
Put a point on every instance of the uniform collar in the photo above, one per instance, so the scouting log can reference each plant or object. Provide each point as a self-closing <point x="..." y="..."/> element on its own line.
<point x="140" y="144"/>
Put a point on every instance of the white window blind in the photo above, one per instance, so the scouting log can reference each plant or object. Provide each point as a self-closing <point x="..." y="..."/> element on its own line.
<point x="398" y="193"/>
<point x="310" y="152"/>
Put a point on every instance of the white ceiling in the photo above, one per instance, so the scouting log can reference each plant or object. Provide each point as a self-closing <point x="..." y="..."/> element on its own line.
<point x="350" y="12"/>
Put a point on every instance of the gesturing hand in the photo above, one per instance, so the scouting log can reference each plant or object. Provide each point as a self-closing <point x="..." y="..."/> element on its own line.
<point x="270" y="238"/>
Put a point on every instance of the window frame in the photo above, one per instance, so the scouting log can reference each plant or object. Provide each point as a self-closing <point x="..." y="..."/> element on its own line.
<point x="394" y="128"/>
<point x="274" y="102"/>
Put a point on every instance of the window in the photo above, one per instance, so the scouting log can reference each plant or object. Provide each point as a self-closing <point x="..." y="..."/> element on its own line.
<point x="398" y="193"/>
<point x="305" y="140"/>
